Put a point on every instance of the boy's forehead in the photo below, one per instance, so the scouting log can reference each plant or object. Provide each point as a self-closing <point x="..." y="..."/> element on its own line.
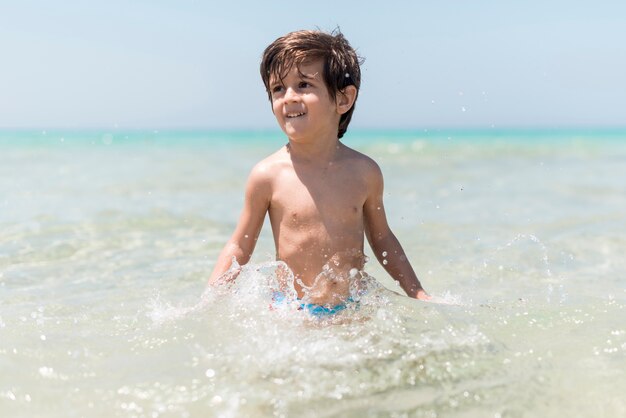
<point x="310" y="68"/>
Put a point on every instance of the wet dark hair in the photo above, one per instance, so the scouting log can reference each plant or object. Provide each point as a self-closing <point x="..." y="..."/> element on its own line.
<point x="341" y="63"/>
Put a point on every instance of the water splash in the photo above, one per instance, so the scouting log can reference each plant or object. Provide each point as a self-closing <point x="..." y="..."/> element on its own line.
<point x="513" y="260"/>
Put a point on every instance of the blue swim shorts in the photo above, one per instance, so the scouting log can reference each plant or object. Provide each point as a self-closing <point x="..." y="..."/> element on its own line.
<point x="314" y="309"/>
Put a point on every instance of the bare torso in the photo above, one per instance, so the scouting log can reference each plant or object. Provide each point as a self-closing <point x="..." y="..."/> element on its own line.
<point x="316" y="213"/>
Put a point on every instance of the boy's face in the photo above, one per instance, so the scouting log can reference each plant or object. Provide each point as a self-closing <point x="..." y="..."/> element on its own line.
<point x="301" y="103"/>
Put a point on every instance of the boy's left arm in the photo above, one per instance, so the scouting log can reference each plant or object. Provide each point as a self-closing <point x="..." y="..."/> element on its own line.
<point x="384" y="243"/>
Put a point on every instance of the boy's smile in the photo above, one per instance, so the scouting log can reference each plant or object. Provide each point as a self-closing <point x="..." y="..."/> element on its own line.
<point x="302" y="105"/>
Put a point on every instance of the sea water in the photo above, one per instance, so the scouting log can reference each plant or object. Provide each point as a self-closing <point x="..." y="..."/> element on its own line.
<point x="107" y="240"/>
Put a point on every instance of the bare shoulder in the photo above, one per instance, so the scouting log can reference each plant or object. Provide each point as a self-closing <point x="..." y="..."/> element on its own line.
<point x="267" y="169"/>
<point x="363" y="164"/>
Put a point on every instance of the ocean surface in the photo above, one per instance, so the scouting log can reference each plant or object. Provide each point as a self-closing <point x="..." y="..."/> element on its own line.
<point x="107" y="240"/>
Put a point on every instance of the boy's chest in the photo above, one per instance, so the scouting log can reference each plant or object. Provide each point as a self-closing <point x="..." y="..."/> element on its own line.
<point x="320" y="197"/>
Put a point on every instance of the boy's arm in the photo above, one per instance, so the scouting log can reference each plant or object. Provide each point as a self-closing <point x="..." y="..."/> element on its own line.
<point x="241" y="244"/>
<point x="384" y="243"/>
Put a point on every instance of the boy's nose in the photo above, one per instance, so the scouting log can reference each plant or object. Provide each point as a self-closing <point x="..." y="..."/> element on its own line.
<point x="290" y="95"/>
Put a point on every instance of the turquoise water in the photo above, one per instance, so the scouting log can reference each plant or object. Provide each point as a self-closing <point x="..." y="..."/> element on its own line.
<point x="107" y="239"/>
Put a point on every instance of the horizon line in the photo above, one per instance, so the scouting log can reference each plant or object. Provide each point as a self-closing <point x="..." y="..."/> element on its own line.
<point x="172" y="129"/>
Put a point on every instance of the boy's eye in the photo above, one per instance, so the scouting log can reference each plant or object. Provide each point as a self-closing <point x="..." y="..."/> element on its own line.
<point x="303" y="84"/>
<point x="277" y="89"/>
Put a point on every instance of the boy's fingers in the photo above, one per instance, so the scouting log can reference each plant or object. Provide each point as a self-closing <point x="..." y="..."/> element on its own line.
<point x="422" y="295"/>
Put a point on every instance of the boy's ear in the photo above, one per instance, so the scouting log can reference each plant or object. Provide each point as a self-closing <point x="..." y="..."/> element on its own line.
<point x="345" y="99"/>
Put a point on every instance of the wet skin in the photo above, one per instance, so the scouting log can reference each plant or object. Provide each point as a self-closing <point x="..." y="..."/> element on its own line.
<point x="322" y="197"/>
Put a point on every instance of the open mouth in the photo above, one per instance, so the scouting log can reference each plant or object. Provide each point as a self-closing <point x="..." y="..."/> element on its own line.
<point x="294" y="115"/>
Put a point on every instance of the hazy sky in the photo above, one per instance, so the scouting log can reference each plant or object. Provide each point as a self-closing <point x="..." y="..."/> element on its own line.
<point x="194" y="64"/>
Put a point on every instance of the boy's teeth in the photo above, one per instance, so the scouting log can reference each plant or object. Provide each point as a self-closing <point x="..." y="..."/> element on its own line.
<point x="293" y="115"/>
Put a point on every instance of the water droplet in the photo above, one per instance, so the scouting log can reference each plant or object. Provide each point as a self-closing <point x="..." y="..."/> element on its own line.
<point x="384" y="253"/>
<point x="385" y="262"/>
<point x="43" y="337"/>
<point x="210" y="373"/>
<point x="107" y="139"/>
<point x="46" y="371"/>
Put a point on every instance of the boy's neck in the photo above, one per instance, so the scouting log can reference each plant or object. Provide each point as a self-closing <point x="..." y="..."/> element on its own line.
<point x="322" y="151"/>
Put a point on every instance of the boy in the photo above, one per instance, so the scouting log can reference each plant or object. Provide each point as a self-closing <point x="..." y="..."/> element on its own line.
<point x="322" y="197"/>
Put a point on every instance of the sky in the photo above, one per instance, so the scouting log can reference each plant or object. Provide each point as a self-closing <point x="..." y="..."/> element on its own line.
<point x="185" y="64"/>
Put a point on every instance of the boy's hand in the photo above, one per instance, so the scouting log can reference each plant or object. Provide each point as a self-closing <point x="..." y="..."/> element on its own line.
<point x="422" y="295"/>
<point x="227" y="277"/>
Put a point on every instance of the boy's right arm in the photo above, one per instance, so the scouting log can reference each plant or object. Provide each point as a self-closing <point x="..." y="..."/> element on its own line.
<point x="241" y="244"/>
